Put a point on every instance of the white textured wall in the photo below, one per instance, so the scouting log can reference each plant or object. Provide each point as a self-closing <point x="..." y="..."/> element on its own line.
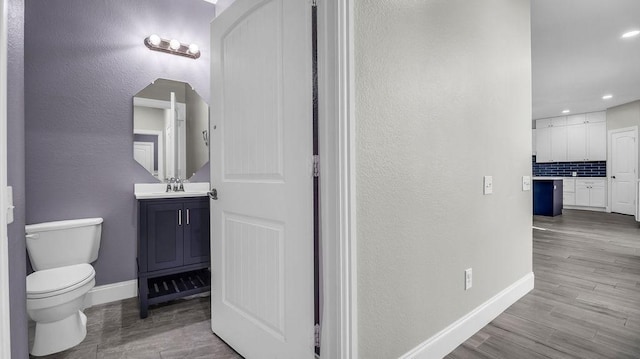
<point x="443" y="93"/>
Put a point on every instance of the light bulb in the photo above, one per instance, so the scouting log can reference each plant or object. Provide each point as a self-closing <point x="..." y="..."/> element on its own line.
<point x="606" y="97"/>
<point x="631" y="33"/>
<point x="193" y="48"/>
<point x="154" y="40"/>
<point x="565" y="111"/>
<point x="174" y="44"/>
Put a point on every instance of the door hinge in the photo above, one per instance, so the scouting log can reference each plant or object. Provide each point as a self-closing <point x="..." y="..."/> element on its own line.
<point x="316" y="166"/>
<point x="317" y="335"/>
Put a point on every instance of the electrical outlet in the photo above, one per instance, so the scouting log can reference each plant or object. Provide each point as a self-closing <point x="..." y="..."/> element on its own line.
<point x="468" y="279"/>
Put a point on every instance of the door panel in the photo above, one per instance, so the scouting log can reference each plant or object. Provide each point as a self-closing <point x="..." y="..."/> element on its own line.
<point x="261" y="156"/>
<point x="623" y="172"/>
<point x="197" y="232"/>
<point x="165" y="237"/>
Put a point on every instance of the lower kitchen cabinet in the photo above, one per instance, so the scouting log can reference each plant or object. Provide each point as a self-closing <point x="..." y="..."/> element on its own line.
<point x="591" y="193"/>
<point x="173" y="249"/>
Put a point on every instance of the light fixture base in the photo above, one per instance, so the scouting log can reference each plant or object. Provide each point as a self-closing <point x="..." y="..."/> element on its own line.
<point x="163" y="46"/>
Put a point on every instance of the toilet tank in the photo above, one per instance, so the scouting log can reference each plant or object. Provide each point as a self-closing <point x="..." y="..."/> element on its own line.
<point x="63" y="243"/>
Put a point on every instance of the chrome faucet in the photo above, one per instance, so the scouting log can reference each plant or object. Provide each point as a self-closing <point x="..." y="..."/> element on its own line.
<point x="169" y="182"/>
<point x="178" y="185"/>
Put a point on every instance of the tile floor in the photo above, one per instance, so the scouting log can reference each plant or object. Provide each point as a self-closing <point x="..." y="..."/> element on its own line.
<point x="179" y="329"/>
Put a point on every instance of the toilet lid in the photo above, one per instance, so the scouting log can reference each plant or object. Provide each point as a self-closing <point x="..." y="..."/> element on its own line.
<point x="50" y="282"/>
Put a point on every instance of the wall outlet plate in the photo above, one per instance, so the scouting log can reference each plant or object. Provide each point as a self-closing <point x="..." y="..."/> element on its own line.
<point x="488" y="185"/>
<point x="468" y="279"/>
<point x="526" y="183"/>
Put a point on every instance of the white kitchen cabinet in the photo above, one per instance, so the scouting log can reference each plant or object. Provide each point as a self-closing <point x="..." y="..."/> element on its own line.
<point x="543" y="144"/>
<point x="558" y="144"/>
<point x="587" y="141"/>
<point x="568" y="192"/>
<point x="590" y="193"/>
<point x="551" y="139"/>
<point x="596" y="141"/>
<point x="572" y="138"/>
<point x="577" y="142"/>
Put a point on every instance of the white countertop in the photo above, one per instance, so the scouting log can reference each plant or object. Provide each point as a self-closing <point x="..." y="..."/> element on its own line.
<point x="158" y="190"/>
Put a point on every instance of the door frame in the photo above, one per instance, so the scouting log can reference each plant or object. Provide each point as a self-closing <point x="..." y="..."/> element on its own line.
<point x="5" y="323"/>
<point x="336" y="79"/>
<point x="609" y="174"/>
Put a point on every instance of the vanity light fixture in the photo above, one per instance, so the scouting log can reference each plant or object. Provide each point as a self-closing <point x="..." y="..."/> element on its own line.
<point x="607" y="97"/>
<point x="172" y="46"/>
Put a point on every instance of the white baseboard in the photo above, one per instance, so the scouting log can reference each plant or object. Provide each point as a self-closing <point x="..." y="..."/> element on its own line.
<point x="464" y="328"/>
<point x="111" y="293"/>
<point x="583" y="208"/>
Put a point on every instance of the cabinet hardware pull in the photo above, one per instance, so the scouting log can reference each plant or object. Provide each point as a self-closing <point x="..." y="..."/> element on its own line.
<point x="179" y="217"/>
<point x="188" y="216"/>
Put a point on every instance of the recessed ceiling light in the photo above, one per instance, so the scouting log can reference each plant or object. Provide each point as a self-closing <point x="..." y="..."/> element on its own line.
<point x="606" y="97"/>
<point x="565" y="111"/>
<point x="631" y="33"/>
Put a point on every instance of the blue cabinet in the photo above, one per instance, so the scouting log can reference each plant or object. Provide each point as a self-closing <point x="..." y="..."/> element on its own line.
<point x="173" y="249"/>
<point x="547" y="197"/>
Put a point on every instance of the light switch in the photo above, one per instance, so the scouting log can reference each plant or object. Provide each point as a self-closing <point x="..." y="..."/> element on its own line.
<point x="488" y="184"/>
<point x="526" y="183"/>
<point x="10" y="206"/>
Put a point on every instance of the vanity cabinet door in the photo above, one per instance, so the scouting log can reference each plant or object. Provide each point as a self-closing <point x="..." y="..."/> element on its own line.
<point x="165" y="238"/>
<point x="196" y="231"/>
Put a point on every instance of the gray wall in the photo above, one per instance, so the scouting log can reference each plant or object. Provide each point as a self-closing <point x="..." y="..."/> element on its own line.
<point x="443" y="97"/>
<point x="16" y="175"/>
<point x="84" y="62"/>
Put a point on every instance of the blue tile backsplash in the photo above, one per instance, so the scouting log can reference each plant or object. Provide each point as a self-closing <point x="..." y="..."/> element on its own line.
<point x="565" y="169"/>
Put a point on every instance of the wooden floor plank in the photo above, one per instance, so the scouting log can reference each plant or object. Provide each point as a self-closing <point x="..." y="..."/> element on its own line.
<point x="586" y="301"/>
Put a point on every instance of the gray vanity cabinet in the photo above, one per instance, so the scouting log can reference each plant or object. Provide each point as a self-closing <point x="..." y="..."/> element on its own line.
<point x="173" y="249"/>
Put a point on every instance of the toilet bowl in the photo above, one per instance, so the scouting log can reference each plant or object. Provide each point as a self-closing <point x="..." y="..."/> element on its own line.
<point x="60" y="252"/>
<point x="54" y="299"/>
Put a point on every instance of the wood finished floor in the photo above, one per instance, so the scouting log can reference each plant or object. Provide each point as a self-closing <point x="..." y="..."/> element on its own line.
<point x="586" y="301"/>
<point x="180" y="329"/>
<point x="586" y="304"/>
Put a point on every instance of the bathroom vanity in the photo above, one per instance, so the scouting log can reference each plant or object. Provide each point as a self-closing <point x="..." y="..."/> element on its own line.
<point x="173" y="246"/>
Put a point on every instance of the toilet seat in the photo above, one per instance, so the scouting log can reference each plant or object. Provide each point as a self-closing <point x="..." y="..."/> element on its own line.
<point x="56" y="281"/>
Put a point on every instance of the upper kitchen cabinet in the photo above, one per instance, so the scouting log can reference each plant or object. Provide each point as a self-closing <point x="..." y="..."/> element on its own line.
<point x="587" y="137"/>
<point x="551" y="139"/>
<point x="573" y="138"/>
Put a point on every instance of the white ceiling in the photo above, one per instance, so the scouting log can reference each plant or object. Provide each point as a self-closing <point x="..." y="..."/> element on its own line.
<point x="578" y="55"/>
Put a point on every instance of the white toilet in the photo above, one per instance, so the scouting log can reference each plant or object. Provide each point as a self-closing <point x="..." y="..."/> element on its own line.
<point x="60" y="253"/>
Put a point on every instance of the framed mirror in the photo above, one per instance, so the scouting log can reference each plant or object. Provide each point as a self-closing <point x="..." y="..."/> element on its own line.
<point x="170" y="129"/>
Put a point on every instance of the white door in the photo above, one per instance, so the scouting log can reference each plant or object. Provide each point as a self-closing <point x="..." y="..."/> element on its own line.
<point x="623" y="171"/>
<point x="143" y="154"/>
<point x="261" y="165"/>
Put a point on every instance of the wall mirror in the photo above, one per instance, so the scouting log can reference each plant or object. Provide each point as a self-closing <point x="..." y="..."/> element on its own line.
<point x="170" y="129"/>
